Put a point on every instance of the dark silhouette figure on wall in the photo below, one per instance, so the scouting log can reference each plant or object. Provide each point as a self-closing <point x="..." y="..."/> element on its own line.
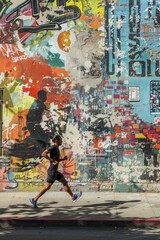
<point x="34" y="118"/>
<point x="148" y="151"/>
<point x="34" y="144"/>
<point x="150" y="159"/>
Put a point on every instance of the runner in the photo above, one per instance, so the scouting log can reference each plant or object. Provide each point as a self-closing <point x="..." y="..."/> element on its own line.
<point x="53" y="155"/>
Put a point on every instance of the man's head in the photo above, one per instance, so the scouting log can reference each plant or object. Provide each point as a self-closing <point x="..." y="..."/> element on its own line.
<point x="42" y="95"/>
<point x="57" y="139"/>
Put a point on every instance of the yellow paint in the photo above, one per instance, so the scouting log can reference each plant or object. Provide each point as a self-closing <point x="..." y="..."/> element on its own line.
<point x="95" y="7"/>
<point x="139" y="135"/>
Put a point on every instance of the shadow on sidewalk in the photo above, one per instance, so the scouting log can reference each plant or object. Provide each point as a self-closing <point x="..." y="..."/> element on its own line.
<point x="108" y="209"/>
<point x="52" y="214"/>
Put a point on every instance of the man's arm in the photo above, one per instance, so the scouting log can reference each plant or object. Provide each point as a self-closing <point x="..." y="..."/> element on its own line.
<point x="63" y="159"/>
<point x="46" y="154"/>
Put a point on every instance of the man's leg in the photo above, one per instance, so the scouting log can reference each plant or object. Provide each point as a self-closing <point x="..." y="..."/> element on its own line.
<point x="68" y="190"/>
<point x="66" y="186"/>
<point x="42" y="191"/>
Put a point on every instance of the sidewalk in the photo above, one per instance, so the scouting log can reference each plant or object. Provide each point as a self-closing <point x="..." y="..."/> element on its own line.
<point x="103" y="208"/>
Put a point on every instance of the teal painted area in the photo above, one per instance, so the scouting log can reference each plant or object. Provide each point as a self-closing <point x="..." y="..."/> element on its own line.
<point x="128" y="187"/>
<point x="54" y="60"/>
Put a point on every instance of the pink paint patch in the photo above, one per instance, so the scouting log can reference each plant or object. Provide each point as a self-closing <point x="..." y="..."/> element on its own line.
<point x="129" y="153"/>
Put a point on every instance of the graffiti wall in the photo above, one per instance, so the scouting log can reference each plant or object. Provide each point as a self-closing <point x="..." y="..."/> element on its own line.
<point x="89" y="71"/>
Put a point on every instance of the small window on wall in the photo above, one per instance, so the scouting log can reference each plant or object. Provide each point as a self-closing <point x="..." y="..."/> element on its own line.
<point x="155" y="97"/>
<point x="134" y="94"/>
<point x="1" y="120"/>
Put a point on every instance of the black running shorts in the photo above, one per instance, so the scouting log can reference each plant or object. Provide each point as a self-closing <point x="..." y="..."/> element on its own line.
<point x="53" y="176"/>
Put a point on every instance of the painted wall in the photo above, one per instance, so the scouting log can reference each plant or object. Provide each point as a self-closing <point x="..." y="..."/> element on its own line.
<point x="90" y="71"/>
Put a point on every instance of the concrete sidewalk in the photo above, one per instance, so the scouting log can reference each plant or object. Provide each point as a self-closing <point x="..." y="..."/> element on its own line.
<point x="107" y="208"/>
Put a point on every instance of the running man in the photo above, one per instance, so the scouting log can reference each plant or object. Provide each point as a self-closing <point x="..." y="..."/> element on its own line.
<point x="53" y="155"/>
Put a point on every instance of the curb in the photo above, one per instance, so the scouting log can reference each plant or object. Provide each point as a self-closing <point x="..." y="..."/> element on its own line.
<point x="82" y="222"/>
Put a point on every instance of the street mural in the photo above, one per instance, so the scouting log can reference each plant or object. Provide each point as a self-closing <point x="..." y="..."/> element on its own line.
<point x="90" y="71"/>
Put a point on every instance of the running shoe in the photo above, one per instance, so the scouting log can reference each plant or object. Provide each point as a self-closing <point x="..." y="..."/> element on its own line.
<point x="34" y="203"/>
<point x="76" y="196"/>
